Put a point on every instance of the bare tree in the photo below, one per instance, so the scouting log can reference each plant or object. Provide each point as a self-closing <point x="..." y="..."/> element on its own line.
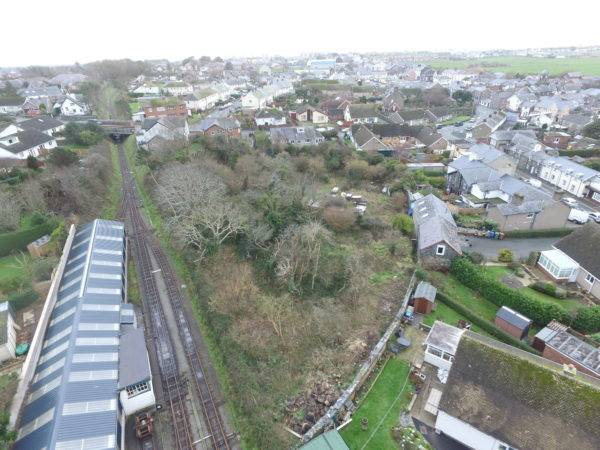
<point x="200" y="212"/>
<point x="10" y="212"/>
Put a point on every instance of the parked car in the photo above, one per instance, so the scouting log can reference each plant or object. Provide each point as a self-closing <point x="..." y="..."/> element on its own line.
<point x="595" y="216"/>
<point x="534" y="182"/>
<point x="570" y="201"/>
<point x="578" y="216"/>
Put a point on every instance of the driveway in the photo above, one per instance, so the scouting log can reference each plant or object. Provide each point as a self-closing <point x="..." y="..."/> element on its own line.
<point x="520" y="247"/>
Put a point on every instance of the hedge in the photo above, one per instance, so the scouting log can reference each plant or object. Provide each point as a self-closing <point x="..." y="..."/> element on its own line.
<point x="501" y="295"/>
<point x="550" y="232"/>
<point x="18" y="240"/>
<point x="549" y="289"/>
<point x="586" y="320"/>
<point x="20" y="300"/>
<point x="583" y="153"/>
<point x="482" y="323"/>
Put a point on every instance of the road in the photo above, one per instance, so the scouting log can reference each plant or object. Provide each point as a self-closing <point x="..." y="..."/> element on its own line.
<point x="520" y="247"/>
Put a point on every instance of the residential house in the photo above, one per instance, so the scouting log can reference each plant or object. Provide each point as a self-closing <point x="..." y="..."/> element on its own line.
<point x="378" y="136"/>
<point x="568" y="175"/>
<point x="157" y="131"/>
<point x="35" y="106"/>
<point x="393" y="101"/>
<point x="269" y="117"/>
<point x="297" y="136"/>
<point x="29" y="142"/>
<point x="466" y="171"/>
<point x="502" y="398"/>
<point x="10" y="105"/>
<point x="560" y="344"/>
<point x="437" y="235"/>
<point x="307" y="113"/>
<point x="441" y="344"/>
<point x="52" y="92"/>
<point x="491" y="157"/>
<point x="165" y="109"/>
<point x="575" y="259"/>
<point x="71" y="105"/>
<point x="515" y="205"/>
<point x="364" y="139"/>
<point x="146" y="89"/>
<point x="8" y="335"/>
<point x="216" y="126"/>
<point x="178" y="88"/>
<point x="504" y="139"/>
<point x="362" y="113"/>
<point x="576" y="122"/>
<point x="512" y="322"/>
<point x="45" y="124"/>
<point x="557" y="139"/>
<point x="483" y="130"/>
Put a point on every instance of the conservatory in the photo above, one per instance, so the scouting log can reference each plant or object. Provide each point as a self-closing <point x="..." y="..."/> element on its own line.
<point x="558" y="265"/>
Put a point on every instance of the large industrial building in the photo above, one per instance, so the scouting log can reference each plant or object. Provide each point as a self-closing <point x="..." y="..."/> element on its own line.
<point x="89" y="365"/>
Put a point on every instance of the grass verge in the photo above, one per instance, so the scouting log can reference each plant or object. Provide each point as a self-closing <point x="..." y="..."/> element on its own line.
<point x="114" y="189"/>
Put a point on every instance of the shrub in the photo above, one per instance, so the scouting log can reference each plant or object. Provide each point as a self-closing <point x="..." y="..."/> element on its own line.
<point x="62" y="157"/>
<point x="475" y="257"/>
<point x="41" y="268"/>
<point x="505" y="255"/>
<point x="404" y="224"/>
<point x="18" y="240"/>
<point x="20" y="300"/>
<point x="499" y="294"/>
<point x="356" y="171"/>
<point x="532" y="259"/>
<point x="545" y="288"/>
<point x="339" y="219"/>
<point x="587" y="319"/>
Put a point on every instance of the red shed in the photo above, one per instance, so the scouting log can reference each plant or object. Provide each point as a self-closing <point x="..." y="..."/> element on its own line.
<point x="512" y="322"/>
<point x="424" y="298"/>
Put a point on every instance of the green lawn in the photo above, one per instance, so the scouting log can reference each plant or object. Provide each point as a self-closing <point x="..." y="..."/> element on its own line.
<point x="454" y="120"/>
<point x="571" y="304"/>
<point x="523" y="64"/>
<point x="447" y="315"/>
<point x="480" y="306"/>
<point x="10" y="267"/>
<point x="382" y="406"/>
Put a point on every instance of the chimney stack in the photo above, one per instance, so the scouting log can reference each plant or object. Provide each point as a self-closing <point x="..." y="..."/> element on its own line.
<point x="517" y="199"/>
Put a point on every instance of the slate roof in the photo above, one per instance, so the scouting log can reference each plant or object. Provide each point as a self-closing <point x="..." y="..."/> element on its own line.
<point x="425" y="290"/>
<point x="474" y="171"/>
<point x="434" y="223"/>
<point x="296" y="135"/>
<point x="521" y="399"/>
<point x="171" y="122"/>
<point x="268" y="113"/>
<point x="221" y="122"/>
<point x="579" y="171"/>
<point x="513" y="317"/>
<point x="73" y="395"/>
<point x="41" y="123"/>
<point x="27" y="139"/>
<point x="582" y="246"/>
<point x="134" y="365"/>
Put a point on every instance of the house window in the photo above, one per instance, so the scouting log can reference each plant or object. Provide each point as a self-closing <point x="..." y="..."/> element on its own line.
<point x="590" y="278"/>
<point x="434" y="351"/>
<point x="138" y="388"/>
<point x="440" y="250"/>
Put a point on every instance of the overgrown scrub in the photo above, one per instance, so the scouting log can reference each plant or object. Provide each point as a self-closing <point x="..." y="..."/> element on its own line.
<point x="587" y="319"/>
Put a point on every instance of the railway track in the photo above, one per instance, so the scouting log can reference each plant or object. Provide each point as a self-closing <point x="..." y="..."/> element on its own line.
<point x="144" y="247"/>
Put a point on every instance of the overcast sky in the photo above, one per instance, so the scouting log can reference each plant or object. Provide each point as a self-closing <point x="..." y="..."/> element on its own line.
<point x="65" y="31"/>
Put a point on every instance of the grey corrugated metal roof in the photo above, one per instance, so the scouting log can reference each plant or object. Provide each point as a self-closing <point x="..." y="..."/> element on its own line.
<point x="133" y="365"/>
<point x="425" y="290"/>
<point x="513" y="317"/>
<point x="85" y="320"/>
